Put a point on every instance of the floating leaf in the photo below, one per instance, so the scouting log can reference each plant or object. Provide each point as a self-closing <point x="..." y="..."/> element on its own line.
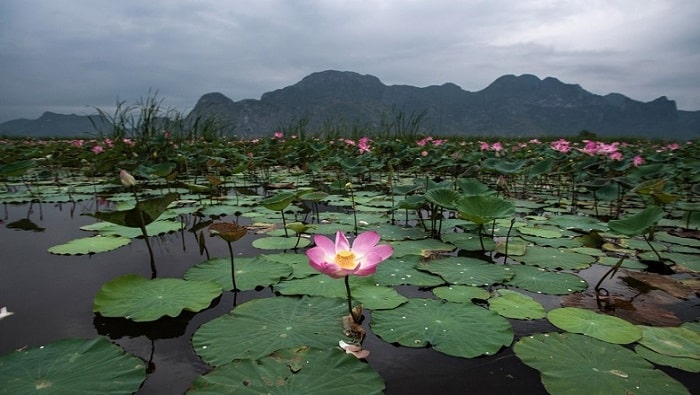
<point x="72" y="366"/>
<point x="639" y="223"/>
<point x="639" y="311"/>
<point x="279" y="201"/>
<point x="468" y="241"/>
<point x="280" y="243"/>
<point x="664" y="283"/>
<point x="683" y="363"/>
<point x="539" y="280"/>
<point x="580" y="365"/>
<point x="442" y="197"/>
<point x="483" y="209"/>
<point x="293" y="371"/>
<point x="136" y="298"/>
<point x="467" y="271"/>
<point x="457" y="329"/>
<point x="90" y="245"/>
<point x="402" y="271"/>
<point x="363" y="289"/>
<point x="251" y="273"/>
<point x="512" y="304"/>
<point x="145" y="212"/>
<point x="461" y="293"/>
<point x="673" y="341"/>
<point x="554" y="258"/>
<point x="261" y="326"/>
<point x="424" y="248"/>
<point x="600" y="326"/>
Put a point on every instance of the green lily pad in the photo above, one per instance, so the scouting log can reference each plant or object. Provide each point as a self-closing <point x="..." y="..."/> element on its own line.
<point x="483" y="209"/>
<point x="259" y="327"/>
<point x="468" y="241"/>
<point x="402" y="271"/>
<point x="280" y="243"/>
<point x="461" y="293"/>
<point x="139" y="299"/>
<point x="279" y="201"/>
<point x="293" y="371"/>
<point x="637" y="224"/>
<point x="683" y="363"/>
<point x="145" y="212"/>
<point x="90" y="245"/>
<point x="672" y="341"/>
<point x="467" y="271"/>
<point x="424" y="248"/>
<point x="580" y="365"/>
<point x="456" y="329"/>
<point x="442" y="197"/>
<point x="513" y="304"/>
<point x="547" y="233"/>
<point x="299" y="263"/>
<point x="600" y="326"/>
<point x="155" y="228"/>
<point x="72" y="366"/>
<point x="554" y="258"/>
<point x="251" y="273"/>
<point x="540" y="280"/>
<point x="363" y="289"/>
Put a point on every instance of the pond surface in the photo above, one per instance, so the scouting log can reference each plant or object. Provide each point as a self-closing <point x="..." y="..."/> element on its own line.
<point x="51" y="297"/>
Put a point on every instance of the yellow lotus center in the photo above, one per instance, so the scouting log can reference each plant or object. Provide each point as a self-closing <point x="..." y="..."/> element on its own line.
<point x="345" y="259"/>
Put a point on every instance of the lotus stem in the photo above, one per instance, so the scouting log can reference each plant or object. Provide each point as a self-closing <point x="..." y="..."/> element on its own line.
<point x="347" y="289"/>
<point x="233" y="267"/>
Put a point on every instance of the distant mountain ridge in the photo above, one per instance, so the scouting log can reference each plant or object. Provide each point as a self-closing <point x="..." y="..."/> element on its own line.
<point x="512" y="105"/>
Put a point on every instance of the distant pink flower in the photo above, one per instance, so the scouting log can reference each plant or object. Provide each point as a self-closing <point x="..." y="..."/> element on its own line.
<point x="339" y="259"/>
<point x="438" y="142"/>
<point x="535" y="141"/>
<point x="363" y="145"/>
<point x="422" y="142"/>
<point x="617" y="155"/>
<point x="77" y="143"/>
<point x="591" y="147"/>
<point x="497" y="146"/>
<point x="424" y="153"/>
<point x="97" y="149"/>
<point x="637" y="161"/>
<point x="561" y="145"/>
<point x="278" y="135"/>
<point x="484" y="146"/>
<point x="672" y="147"/>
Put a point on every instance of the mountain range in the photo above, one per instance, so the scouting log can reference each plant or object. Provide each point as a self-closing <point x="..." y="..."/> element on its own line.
<point x="511" y="106"/>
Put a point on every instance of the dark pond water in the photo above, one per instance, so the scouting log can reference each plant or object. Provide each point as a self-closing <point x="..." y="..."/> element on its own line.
<point x="51" y="297"/>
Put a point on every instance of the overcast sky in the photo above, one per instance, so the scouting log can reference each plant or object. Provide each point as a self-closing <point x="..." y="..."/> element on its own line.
<point x="73" y="55"/>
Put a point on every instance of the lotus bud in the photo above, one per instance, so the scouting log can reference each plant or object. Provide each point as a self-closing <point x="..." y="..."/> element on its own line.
<point x="127" y="179"/>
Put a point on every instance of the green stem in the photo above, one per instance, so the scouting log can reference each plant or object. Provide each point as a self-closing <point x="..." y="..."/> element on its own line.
<point x="347" y="289"/>
<point x="233" y="267"/>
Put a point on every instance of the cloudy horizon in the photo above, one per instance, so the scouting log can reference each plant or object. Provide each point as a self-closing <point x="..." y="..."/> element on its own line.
<point x="73" y="56"/>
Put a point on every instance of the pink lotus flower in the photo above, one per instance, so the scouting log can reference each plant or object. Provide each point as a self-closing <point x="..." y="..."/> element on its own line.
<point x="338" y="259"/>
<point x="561" y="145"/>
<point x="637" y="161"/>
<point x="97" y="149"/>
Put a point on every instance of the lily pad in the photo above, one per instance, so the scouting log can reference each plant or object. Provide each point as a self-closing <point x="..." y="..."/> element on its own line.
<point x="293" y="371"/>
<point x="468" y="241"/>
<point x="455" y="329"/>
<point x="90" y="245"/>
<point x="467" y="271"/>
<point x="145" y="212"/>
<point x="139" y="299"/>
<point x="363" y="290"/>
<point x="688" y="364"/>
<point x="461" y="293"/>
<point x="539" y="280"/>
<point x="575" y="364"/>
<point x="72" y="366"/>
<point x="554" y="258"/>
<point x="251" y="273"/>
<point x="262" y="326"/>
<point x="280" y="243"/>
<point x="424" y="248"/>
<point x="673" y="341"/>
<point x="483" y="209"/>
<point x="513" y="304"/>
<point x="637" y="224"/>
<point x="402" y="271"/>
<point x="600" y="326"/>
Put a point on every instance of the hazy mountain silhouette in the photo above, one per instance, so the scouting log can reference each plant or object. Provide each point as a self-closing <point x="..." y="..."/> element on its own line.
<point x="343" y="101"/>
